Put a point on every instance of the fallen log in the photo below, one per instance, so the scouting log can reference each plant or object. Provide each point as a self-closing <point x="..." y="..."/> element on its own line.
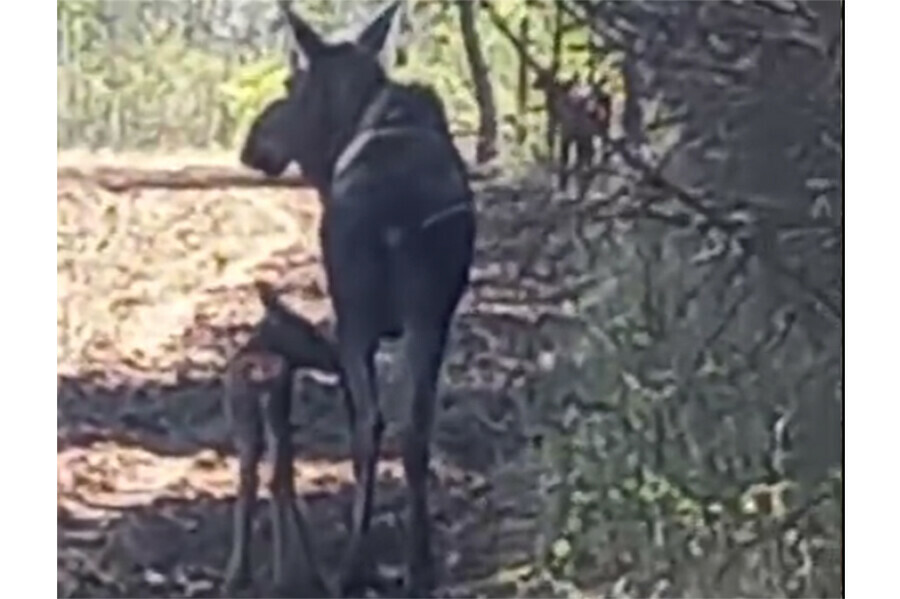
<point x="120" y="178"/>
<point x="126" y="178"/>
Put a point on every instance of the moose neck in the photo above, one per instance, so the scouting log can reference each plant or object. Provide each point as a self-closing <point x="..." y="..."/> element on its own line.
<point x="338" y="134"/>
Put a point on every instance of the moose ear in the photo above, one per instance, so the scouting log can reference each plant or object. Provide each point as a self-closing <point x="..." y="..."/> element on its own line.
<point x="375" y="34"/>
<point x="307" y="40"/>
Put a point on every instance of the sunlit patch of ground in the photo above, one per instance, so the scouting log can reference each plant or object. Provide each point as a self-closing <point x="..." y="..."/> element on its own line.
<point x="133" y="269"/>
<point x="104" y="477"/>
<point x="107" y="476"/>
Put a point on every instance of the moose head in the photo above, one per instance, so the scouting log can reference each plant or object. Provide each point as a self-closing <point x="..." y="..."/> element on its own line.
<point x="329" y="86"/>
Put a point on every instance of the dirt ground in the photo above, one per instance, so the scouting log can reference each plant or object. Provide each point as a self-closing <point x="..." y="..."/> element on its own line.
<point x="148" y="283"/>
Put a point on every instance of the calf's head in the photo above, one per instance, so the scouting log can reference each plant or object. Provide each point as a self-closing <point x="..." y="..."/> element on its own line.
<point x="291" y="336"/>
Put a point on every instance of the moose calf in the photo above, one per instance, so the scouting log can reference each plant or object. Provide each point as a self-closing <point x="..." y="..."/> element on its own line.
<point x="581" y="113"/>
<point x="257" y="398"/>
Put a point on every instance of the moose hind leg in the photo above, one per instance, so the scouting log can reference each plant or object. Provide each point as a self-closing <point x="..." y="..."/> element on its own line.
<point x="424" y="353"/>
<point x="584" y="163"/>
<point x="368" y="427"/>
<point x="565" y="156"/>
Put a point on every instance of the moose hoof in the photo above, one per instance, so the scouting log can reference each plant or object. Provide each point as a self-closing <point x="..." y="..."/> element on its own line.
<point x="283" y="588"/>
<point x="420" y="581"/>
<point x="412" y="590"/>
<point x="362" y="583"/>
<point x="352" y="585"/>
<point x="302" y="587"/>
<point x="418" y="588"/>
<point x="235" y="579"/>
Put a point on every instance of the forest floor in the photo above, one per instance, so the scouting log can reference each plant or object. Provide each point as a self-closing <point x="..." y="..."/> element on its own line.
<point x="148" y="280"/>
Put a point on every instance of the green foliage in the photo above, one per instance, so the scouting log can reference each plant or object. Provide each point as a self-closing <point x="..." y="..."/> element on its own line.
<point x="146" y="92"/>
<point x="247" y="92"/>
<point x="161" y="81"/>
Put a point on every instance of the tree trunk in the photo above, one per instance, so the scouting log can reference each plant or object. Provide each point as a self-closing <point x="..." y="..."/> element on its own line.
<point x="484" y="95"/>
<point x="555" y="60"/>
<point x="127" y="178"/>
<point x="522" y="85"/>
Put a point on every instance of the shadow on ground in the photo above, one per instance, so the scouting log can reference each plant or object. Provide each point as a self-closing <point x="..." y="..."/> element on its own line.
<point x="178" y="547"/>
<point x="146" y="480"/>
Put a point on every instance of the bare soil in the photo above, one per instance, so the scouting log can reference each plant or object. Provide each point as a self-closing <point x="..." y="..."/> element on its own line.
<point x="149" y="282"/>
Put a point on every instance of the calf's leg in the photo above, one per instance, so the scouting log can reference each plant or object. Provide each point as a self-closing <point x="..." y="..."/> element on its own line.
<point x="237" y="573"/>
<point x="281" y="486"/>
<point x="242" y="408"/>
<point x="287" y="520"/>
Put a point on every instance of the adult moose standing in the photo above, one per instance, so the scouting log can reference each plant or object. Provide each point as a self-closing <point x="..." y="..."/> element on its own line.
<point x="397" y="235"/>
